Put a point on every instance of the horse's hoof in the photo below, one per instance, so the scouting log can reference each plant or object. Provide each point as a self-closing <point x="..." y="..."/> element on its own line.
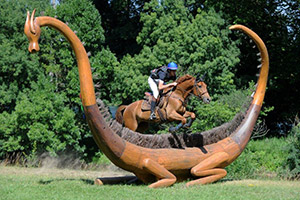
<point x="172" y="129"/>
<point x="186" y="126"/>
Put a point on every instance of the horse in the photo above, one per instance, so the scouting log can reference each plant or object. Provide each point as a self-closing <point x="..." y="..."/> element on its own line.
<point x="173" y="107"/>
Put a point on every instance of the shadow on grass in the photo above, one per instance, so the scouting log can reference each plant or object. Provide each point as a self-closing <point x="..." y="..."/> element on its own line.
<point x="122" y="180"/>
<point x="86" y="181"/>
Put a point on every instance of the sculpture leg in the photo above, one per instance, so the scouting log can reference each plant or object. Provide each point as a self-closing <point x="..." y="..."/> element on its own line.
<point x="208" y="170"/>
<point x="209" y="176"/>
<point x="165" y="178"/>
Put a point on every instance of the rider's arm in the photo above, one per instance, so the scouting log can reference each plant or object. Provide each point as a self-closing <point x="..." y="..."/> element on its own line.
<point x="161" y="85"/>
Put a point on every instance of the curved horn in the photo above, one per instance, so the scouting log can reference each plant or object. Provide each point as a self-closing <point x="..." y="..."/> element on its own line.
<point x="27" y="18"/>
<point x="32" y="29"/>
<point x="27" y="23"/>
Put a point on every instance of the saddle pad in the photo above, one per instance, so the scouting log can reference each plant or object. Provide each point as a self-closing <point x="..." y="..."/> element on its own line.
<point x="145" y="105"/>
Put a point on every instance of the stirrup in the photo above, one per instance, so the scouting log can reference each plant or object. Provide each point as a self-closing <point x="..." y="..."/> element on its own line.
<point x="152" y="116"/>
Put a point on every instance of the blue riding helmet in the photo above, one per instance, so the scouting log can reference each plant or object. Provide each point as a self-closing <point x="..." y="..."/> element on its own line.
<point x="172" y="66"/>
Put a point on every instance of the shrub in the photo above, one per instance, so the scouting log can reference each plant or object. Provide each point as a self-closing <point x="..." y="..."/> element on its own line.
<point x="292" y="162"/>
<point x="221" y="109"/>
<point x="261" y="158"/>
<point x="40" y="122"/>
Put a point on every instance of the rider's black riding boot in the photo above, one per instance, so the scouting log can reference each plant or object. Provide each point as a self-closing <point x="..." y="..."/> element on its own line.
<point x="152" y="115"/>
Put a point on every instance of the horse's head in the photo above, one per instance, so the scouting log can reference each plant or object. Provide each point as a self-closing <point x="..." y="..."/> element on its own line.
<point x="200" y="89"/>
<point x="32" y="32"/>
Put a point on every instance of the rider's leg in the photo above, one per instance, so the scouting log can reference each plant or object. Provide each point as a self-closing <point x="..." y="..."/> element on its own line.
<point x="154" y="89"/>
<point x="153" y="104"/>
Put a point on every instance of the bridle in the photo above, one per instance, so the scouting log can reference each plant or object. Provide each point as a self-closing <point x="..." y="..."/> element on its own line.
<point x="199" y="95"/>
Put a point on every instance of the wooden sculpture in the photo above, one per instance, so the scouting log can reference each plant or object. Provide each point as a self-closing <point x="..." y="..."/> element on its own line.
<point x="160" y="167"/>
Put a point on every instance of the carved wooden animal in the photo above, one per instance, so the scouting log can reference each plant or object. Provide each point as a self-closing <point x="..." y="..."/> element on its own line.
<point x="160" y="167"/>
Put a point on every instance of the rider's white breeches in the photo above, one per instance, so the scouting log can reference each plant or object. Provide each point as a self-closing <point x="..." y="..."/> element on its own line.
<point x="153" y="87"/>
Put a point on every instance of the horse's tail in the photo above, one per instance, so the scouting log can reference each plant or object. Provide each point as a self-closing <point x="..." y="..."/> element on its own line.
<point x="119" y="113"/>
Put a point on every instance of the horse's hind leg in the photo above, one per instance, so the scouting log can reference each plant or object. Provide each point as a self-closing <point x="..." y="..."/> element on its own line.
<point x="131" y="124"/>
<point x="130" y="121"/>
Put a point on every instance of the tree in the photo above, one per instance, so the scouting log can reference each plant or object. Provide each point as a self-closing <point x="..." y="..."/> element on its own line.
<point x="39" y="123"/>
<point x="41" y="104"/>
<point x="170" y="33"/>
<point x="292" y="162"/>
<point x="277" y="23"/>
<point x="121" y="21"/>
<point x="17" y="69"/>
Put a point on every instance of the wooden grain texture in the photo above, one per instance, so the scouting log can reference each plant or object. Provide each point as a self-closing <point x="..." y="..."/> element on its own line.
<point x="159" y="167"/>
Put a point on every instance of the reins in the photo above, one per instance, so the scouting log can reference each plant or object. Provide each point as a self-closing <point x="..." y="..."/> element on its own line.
<point x="184" y="92"/>
<point x="190" y="93"/>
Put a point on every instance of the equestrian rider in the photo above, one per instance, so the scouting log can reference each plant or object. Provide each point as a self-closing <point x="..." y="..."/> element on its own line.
<point x="157" y="80"/>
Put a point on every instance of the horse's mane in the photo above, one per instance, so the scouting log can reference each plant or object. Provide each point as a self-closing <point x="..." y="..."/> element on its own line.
<point x="184" y="78"/>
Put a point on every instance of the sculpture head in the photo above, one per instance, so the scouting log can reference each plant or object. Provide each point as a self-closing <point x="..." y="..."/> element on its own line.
<point x="33" y="32"/>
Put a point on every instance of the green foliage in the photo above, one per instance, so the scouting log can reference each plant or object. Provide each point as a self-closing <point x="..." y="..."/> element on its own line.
<point x="198" y="44"/>
<point x="278" y="24"/>
<point x="17" y="69"/>
<point x="292" y="162"/>
<point x="220" y="110"/>
<point x="212" y="115"/>
<point x="40" y="93"/>
<point x="100" y="159"/>
<point x="39" y="123"/>
<point x="104" y="64"/>
<point x="121" y="21"/>
<point x="261" y="158"/>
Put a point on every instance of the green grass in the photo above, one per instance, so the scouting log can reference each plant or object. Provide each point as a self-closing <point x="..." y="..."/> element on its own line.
<point x="36" y="183"/>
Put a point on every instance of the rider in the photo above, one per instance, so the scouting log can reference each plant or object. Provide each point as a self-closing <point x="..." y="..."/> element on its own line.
<point x="156" y="82"/>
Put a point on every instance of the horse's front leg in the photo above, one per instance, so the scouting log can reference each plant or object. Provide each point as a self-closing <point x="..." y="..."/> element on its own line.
<point x="188" y="114"/>
<point x="174" y="116"/>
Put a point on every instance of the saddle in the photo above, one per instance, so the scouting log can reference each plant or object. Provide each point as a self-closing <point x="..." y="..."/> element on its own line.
<point x="160" y="107"/>
<point x="146" y="104"/>
<point x="162" y="100"/>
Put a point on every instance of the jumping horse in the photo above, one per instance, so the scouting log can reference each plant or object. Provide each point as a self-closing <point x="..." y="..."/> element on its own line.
<point x="173" y="108"/>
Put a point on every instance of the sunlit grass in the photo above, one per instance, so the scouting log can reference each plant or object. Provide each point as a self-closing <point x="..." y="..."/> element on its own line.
<point x="35" y="183"/>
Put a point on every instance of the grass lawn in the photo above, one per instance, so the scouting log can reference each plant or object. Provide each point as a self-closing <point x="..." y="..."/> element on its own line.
<point x="39" y="183"/>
